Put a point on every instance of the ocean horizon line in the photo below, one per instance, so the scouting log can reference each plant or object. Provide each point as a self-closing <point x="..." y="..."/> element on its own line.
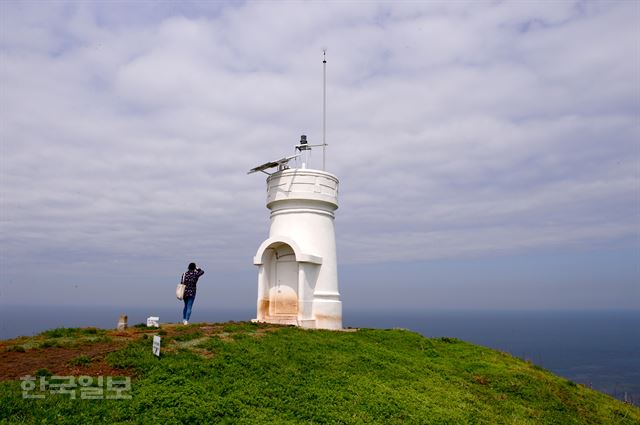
<point x="370" y="309"/>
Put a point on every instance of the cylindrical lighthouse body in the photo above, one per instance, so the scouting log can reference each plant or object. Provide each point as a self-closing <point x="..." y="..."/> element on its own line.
<point x="302" y="204"/>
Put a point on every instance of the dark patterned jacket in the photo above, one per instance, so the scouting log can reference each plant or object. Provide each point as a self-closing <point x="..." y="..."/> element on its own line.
<point x="190" y="281"/>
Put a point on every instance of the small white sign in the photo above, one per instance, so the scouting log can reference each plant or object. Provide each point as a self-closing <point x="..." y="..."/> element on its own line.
<point x="156" y="345"/>
<point x="152" y="321"/>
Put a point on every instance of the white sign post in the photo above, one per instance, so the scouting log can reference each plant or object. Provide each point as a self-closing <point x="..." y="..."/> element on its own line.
<point x="156" y="345"/>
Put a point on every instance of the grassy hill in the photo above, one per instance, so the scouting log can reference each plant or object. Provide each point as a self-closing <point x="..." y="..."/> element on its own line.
<point x="246" y="373"/>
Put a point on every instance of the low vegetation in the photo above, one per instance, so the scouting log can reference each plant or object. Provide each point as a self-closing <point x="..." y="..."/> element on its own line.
<point x="80" y="361"/>
<point x="243" y="373"/>
<point x="72" y="332"/>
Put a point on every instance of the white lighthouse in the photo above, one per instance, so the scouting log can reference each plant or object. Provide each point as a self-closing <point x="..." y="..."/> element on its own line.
<point x="297" y="263"/>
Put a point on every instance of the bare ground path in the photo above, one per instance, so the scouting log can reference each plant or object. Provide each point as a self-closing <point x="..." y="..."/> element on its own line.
<point x="26" y="355"/>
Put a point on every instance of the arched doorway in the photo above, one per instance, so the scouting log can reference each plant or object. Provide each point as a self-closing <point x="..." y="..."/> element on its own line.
<point x="286" y="282"/>
<point x="283" y="291"/>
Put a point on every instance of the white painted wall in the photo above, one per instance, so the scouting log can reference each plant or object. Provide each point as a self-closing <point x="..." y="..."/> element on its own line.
<point x="302" y="204"/>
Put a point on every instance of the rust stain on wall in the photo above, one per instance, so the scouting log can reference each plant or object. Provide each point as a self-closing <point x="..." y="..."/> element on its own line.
<point x="328" y="317"/>
<point x="263" y="308"/>
<point x="286" y="303"/>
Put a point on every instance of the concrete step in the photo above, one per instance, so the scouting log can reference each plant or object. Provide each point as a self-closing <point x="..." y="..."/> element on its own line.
<point x="281" y="320"/>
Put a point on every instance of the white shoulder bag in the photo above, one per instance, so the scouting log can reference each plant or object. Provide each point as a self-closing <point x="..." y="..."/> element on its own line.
<point x="180" y="289"/>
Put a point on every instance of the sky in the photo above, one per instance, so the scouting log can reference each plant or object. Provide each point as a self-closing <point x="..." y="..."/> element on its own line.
<point x="488" y="152"/>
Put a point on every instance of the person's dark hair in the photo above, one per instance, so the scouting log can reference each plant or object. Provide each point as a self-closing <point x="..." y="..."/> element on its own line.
<point x="192" y="266"/>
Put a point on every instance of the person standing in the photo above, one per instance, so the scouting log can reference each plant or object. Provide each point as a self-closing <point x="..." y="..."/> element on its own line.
<point x="190" y="281"/>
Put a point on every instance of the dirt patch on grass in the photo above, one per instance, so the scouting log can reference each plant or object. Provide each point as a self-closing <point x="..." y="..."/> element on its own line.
<point x="18" y="357"/>
<point x="14" y="364"/>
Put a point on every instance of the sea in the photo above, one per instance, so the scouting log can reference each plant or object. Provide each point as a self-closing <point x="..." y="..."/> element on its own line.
<point x="599" y="349"/>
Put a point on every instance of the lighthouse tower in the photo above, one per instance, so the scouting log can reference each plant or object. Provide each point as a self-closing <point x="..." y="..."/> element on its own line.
<point x="297" y="264"/>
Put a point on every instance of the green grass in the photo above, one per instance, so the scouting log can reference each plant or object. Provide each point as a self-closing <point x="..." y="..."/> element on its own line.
<point x="48" y="343"/>
<point x="72" y="332"/>
<point x="240" y="326"/>
<point x="72" y="342"/>
<point x="291" y="376"/>
<point x="17" y="348"/>
<point x="61" y="338"/>
<point x="80" y="361"/>
<point x="43" y="372"/>
<point x="187" y="336"/>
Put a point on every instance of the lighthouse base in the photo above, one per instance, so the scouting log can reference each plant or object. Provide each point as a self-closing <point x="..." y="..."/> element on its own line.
<point x="327" y="314"/>
<point x="327" y="311"/>
<point x="291" y="290"/>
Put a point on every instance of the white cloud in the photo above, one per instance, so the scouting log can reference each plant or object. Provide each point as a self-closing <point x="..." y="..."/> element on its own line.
<point x="455" y="128"/>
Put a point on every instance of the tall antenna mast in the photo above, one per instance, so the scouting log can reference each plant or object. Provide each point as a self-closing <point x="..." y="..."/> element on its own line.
<point x="324" y="108"/>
